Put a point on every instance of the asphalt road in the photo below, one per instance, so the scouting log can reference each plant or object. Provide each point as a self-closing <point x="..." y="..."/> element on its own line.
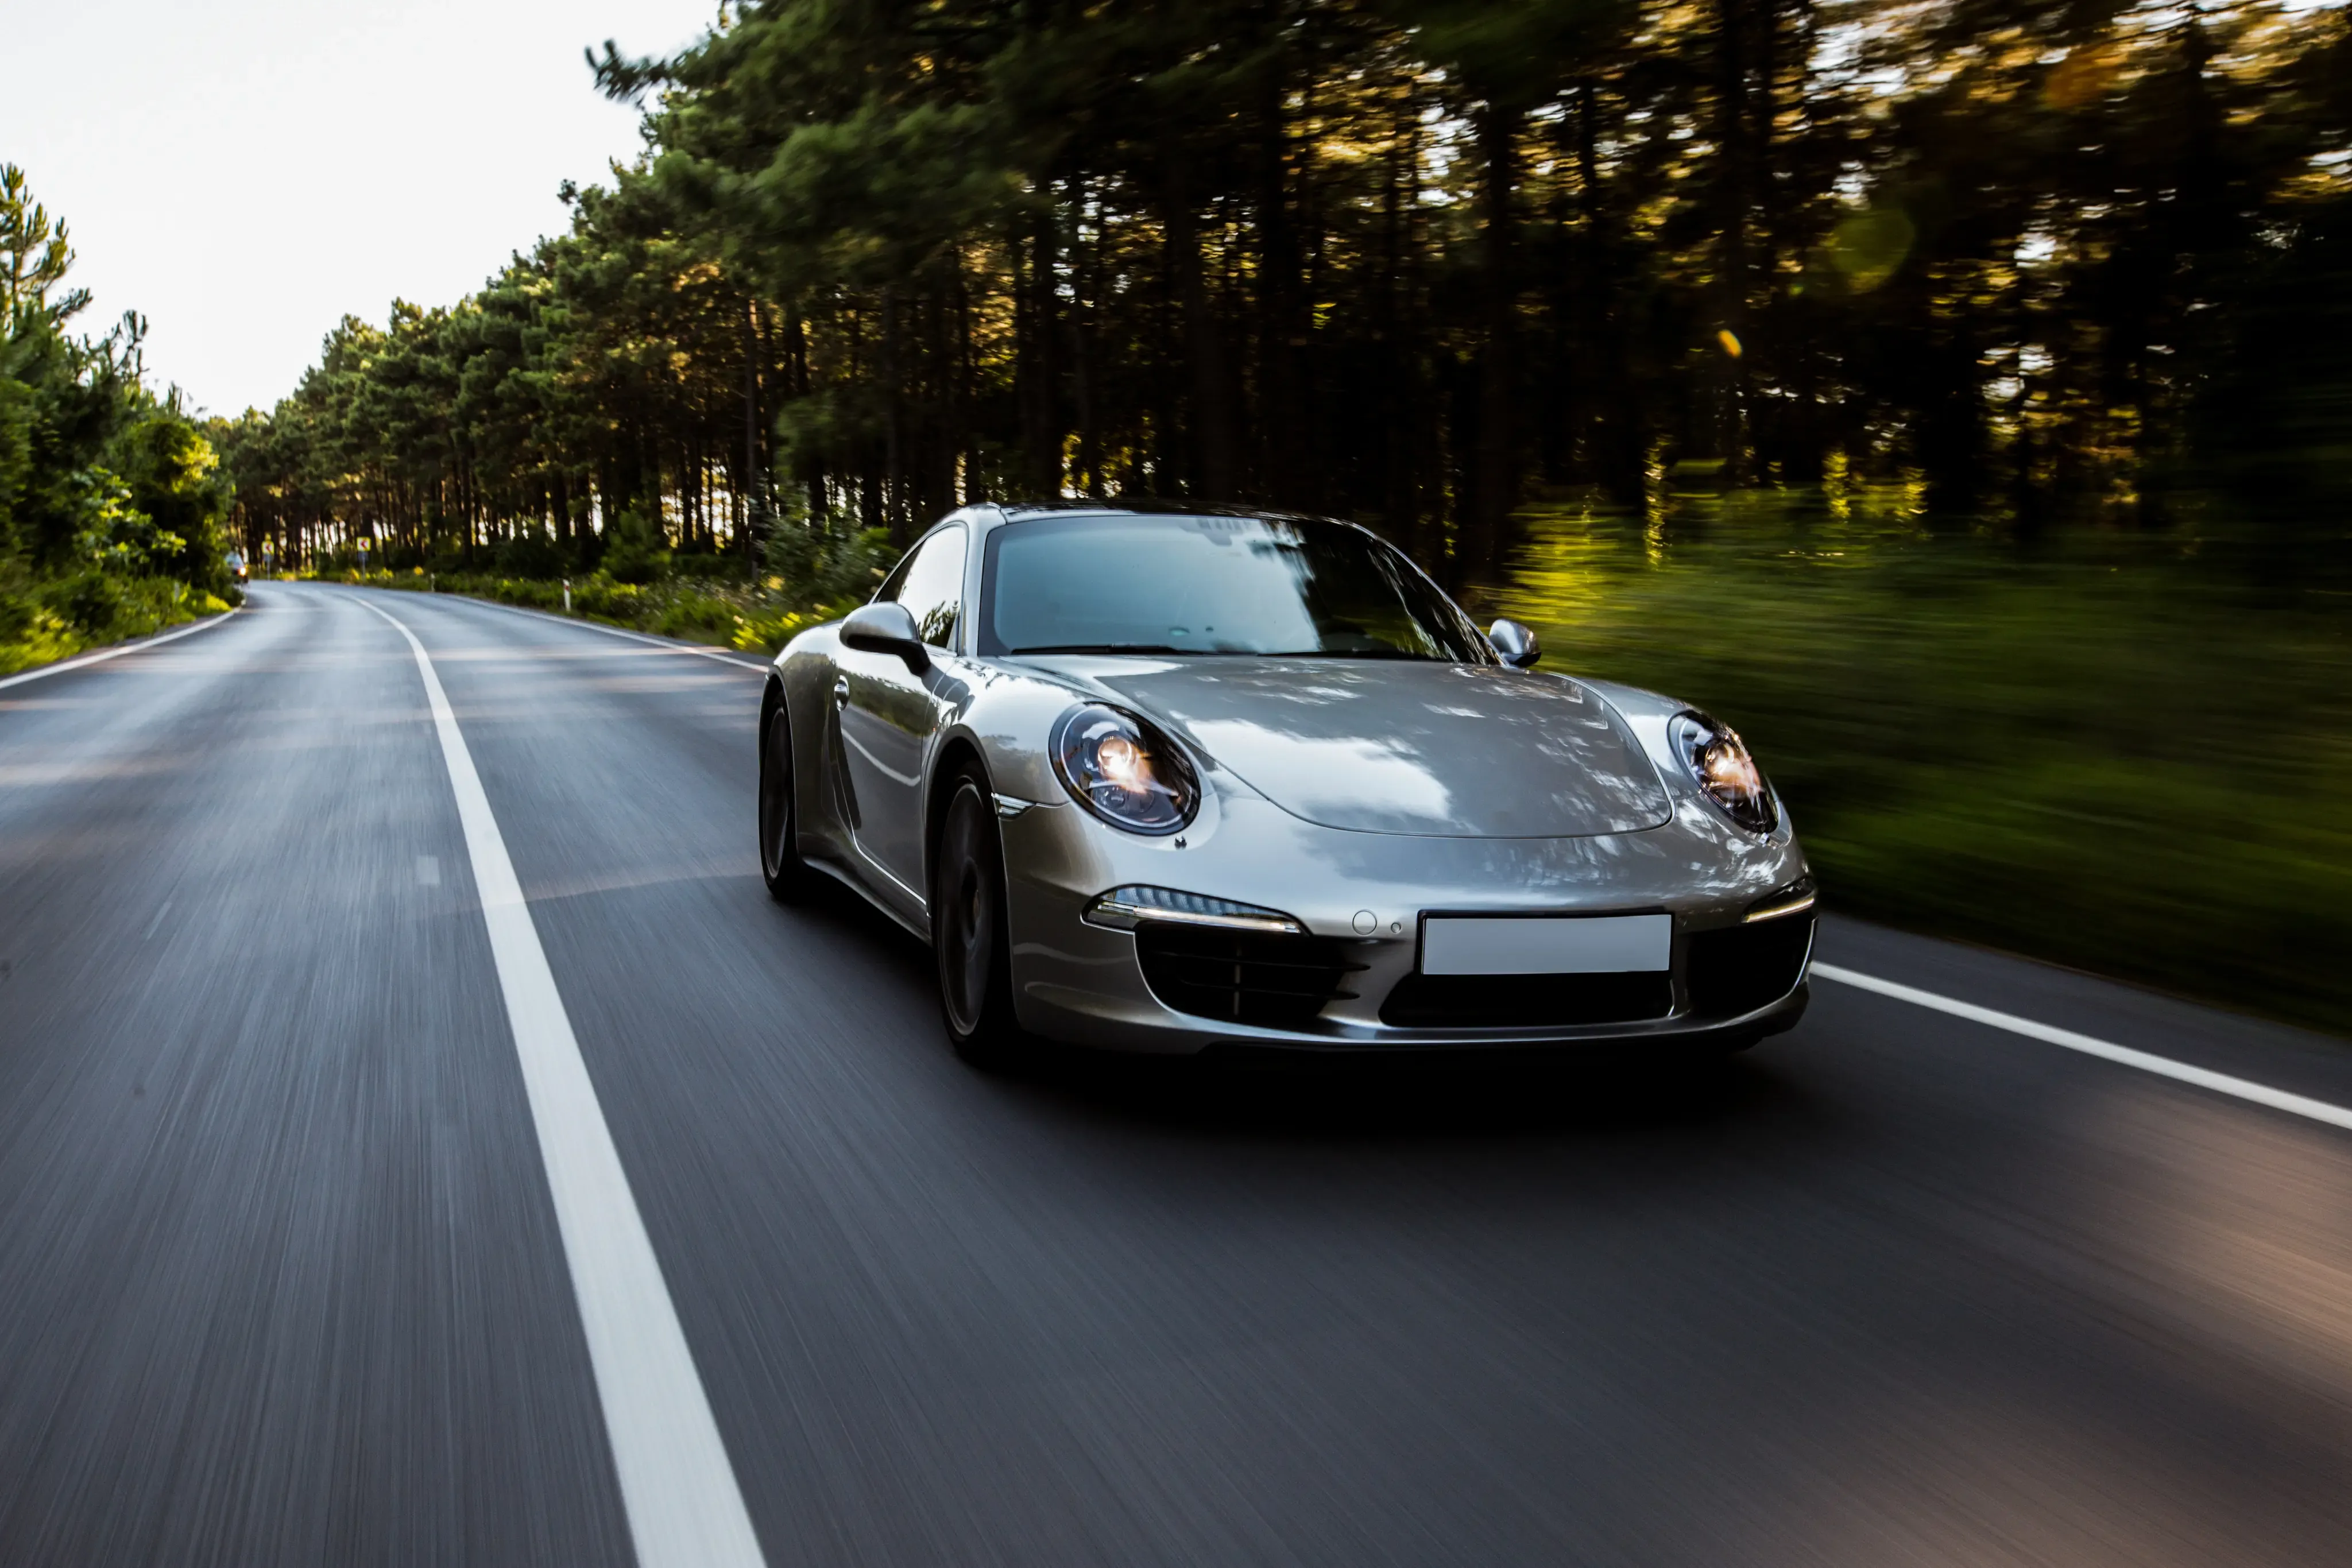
<point x="282" y="1281"/>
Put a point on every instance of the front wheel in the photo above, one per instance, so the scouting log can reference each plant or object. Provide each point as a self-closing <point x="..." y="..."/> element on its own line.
<point x="969" y="930"/>
<point x="781" y="866"/>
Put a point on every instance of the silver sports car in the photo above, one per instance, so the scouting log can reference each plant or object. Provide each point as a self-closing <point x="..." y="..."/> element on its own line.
<point x="1224" y="780"/>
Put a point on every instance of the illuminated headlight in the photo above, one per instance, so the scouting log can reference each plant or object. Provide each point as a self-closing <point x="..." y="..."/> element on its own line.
<point x="1725" y="774"/>
<point x="1124" y="772"/>
<point x="1125" y="908"/>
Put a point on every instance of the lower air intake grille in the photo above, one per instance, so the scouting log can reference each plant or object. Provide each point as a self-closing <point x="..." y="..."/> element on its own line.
<point x="1525" y="1001"/>
<point x="1248" y="976"/>
<point x="1742" y="967"/>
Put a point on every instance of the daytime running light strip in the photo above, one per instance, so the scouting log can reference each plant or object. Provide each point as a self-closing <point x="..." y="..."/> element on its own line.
<point x="1270" y="923"/>
<point x="1794" y="906"/>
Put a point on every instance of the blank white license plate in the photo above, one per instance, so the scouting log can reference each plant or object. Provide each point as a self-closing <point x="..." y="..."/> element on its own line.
<point x="1546" y="944"/>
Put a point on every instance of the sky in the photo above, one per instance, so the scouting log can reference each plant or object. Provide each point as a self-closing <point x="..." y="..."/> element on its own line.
<point x="247" y="172"/>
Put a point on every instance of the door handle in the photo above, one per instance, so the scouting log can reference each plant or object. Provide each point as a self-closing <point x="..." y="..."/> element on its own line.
<point x="840" y="691"/>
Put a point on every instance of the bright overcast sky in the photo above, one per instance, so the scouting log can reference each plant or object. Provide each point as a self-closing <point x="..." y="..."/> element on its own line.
<point x="245" y="173"/>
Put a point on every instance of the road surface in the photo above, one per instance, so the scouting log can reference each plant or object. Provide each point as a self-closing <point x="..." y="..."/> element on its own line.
<point x="283" y="1278"/>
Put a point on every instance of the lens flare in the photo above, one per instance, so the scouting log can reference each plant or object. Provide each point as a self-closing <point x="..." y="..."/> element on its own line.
<point x="1730" y="768"/>
<point x="1124" y="763"/>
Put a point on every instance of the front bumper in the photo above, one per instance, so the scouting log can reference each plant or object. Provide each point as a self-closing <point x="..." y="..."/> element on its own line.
<point x="1363" y="895"/>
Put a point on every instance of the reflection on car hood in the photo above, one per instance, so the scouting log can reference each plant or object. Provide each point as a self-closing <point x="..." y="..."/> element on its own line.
<point x="1406" y="746"/>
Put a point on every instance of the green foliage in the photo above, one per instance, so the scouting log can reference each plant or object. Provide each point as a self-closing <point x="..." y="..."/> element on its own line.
<point x="530" y="554"/>
<point x="633" y="552"/>
<point x="111" y="501"/>
<point x="91" y="602"/>
<point x="807" y="565"/>
<point x="175" y="484"/>
<point x="34" y="256"/>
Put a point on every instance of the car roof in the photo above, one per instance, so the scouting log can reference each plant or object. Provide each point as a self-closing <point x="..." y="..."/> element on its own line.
<point x="1151" y="506"/>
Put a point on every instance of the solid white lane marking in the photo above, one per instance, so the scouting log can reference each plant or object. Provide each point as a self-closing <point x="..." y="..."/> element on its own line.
<point x="84" y="660"/>
<point x="637" y="637"/>
<point x="612" y="632"/>
<point x="2162" y="1066"/>
<point x="685" y="1508"/>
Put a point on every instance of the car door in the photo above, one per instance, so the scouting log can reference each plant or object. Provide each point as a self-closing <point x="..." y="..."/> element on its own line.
<point x="889" y="713"/>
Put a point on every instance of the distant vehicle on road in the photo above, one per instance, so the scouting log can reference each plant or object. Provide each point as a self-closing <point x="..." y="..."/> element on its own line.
<point x="234" y="561"/>
<point x="1185" y="782"/>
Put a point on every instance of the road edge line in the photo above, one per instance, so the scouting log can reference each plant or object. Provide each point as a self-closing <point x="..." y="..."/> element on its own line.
<point x="83" y="661"/>
<point x="677" y="1485"/>
<point x="621" y="632"/>
<point x="2090" y="1045"/>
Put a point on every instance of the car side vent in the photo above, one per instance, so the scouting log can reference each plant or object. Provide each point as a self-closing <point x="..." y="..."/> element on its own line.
<point x="1248" y="976"/>
<point x="1743" y="967"/>
<point x="1525" y="1001"/>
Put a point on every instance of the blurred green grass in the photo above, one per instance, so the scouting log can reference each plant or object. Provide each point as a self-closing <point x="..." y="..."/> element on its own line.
<point x="2104" y="753"/>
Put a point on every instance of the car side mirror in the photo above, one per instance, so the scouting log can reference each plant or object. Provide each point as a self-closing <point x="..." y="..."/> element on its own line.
<point x="1514" y="642"/>
<point x="886" y="628"/>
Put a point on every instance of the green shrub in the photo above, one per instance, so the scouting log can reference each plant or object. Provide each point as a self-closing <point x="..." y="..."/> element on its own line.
<point x="633" y="551"/>
<point x="707" y="568"/>
<point x="531" y="554"/>
<point x="90" y="601"/>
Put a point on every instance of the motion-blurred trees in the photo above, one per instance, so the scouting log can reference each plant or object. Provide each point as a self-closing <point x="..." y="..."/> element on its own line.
<point x="1410" y="260"/>
<point x="110" y="498"/>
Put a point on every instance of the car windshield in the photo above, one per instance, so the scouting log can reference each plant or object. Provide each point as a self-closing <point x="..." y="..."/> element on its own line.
<point x="1126" y="584"/>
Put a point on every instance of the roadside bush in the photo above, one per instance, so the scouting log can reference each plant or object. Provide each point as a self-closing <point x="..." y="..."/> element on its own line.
<point x="531" y="554"/>
<point x="707" y="568"/>
<point x="809" y="566"/>
<point x="16" y="611"/>
<point x="633" y="552"/>
<point x="91" y="602"/>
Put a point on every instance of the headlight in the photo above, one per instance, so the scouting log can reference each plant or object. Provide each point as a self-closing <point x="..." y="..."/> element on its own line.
<point x="1725" y="774"/>
<point x="1124" y="772"/>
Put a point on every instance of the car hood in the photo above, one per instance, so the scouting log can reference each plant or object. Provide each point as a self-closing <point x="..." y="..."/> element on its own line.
<point x="1408" y="746"/>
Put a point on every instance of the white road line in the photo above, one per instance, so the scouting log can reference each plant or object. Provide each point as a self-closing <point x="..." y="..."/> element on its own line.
<point x="612" y="632"/>
<point x="685" y="1509"/>
<point x="62" y="666"/>
<point x="2162" y="1066"/>
<point x="633" y="637"/>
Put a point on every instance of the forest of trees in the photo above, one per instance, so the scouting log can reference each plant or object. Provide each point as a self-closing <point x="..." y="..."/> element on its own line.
<point x="2056" y="262"/>
<point x="111" y="499"/>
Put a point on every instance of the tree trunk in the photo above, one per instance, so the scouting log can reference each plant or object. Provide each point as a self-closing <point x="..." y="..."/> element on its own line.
<point x="1495" y="461"/>
<point x="1282" y="326"/>
<point x="1216" y="448"/>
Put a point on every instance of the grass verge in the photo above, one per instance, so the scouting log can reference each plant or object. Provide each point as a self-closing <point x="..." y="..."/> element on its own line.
<point x="60" y="619"/>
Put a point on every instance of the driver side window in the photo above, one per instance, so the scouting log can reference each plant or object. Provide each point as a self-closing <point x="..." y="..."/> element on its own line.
<point x="929" y="583"/>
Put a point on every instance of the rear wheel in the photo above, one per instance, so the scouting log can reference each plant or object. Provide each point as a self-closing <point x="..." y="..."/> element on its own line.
<point x="969" y="930"/>
<point x="780" y="866"/>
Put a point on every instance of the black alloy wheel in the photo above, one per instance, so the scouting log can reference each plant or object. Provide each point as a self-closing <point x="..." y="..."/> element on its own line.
<point x="780" y="866"/>
<point x="969" y="929"/>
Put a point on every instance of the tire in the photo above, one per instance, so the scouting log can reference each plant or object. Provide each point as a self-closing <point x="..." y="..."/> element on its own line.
<point x="969" y="931"/>
<point x="781" y="866"/>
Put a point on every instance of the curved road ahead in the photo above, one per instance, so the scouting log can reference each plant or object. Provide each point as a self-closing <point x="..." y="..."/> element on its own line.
<point x="283" y="1279"/>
